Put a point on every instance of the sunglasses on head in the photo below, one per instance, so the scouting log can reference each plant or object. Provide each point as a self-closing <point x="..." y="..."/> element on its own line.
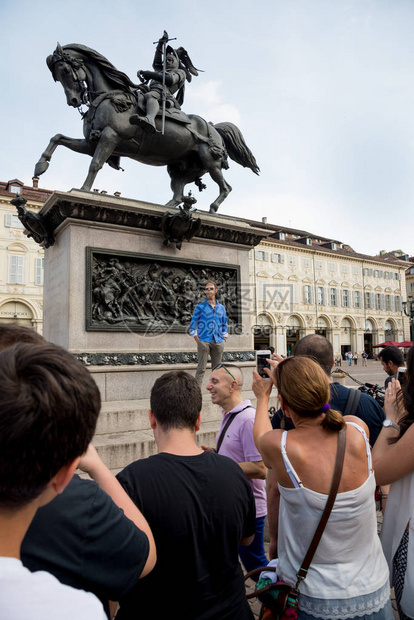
<point x="226" y="369"/>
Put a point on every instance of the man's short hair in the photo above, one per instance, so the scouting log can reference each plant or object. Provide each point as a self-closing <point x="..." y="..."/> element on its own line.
<point x="319" y="348"/>
<point x="392" y="354"/>
<point x="232" y="372"/>
<point x="49" y="406"/>
<point x="10" y="333"/>
<point x="176" y="400"/>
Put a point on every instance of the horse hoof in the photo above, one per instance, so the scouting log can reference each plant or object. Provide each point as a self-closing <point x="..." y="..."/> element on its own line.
<point x="214" y="208"/>
<point x="40" y="168"/>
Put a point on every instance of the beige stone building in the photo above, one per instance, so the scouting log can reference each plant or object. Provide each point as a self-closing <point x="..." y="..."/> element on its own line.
<point x="303" y="284"/>
<point x="299" y="284"/>
<point x="21" y="259"/>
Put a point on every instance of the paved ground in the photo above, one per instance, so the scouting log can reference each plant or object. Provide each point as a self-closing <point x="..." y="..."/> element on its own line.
<point x="372" y="373"/>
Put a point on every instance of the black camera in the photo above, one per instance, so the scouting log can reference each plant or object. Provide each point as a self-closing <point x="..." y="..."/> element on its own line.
<point x="375" y="391"/>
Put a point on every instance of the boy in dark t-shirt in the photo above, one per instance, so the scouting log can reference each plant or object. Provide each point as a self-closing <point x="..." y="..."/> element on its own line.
<point x="200" y="508"/>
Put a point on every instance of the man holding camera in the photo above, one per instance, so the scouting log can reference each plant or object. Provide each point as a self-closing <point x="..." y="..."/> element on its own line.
<point x="392" y="360"/>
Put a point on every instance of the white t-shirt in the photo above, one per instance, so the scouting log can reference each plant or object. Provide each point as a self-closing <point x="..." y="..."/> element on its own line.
<point x="40" y="596"/>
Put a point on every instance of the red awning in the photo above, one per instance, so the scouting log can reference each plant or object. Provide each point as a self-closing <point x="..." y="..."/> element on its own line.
<point x="406" y="343"/>
<point x="389" y="343"/>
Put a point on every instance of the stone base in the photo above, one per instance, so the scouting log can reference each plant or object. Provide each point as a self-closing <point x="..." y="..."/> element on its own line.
<point x="123" y="359"/>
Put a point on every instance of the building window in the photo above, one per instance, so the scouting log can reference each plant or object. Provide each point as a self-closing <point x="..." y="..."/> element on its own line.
<point x="331" y="266"/>
<point x="305" y="263"/>
<point x="321" y="296"/>
<point x="370" y="300"/>
<point x="398" y="305"/>
<point x="292" y="260"/>
<point x="39" y="271"/>
<point x="355" y="270"/>
<point x="318" y="264"/>
<point x="16" y="269"/>
<point x="278" y="258"/>
<point x="12" y="221"/>
<point x="260" y="255"/>
<point x="334" y="297"/>
<point x="344" y="268"/>
<point x="345" y="298"/>
<point x="357" y="299"/>
<point x="307" y="294"/>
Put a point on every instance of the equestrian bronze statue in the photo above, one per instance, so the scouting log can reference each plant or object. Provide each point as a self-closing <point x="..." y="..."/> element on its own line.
<point x="144" y="122"/>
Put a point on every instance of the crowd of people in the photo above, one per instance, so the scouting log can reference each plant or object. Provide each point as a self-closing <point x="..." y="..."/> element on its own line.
<point x="171" y="533"/>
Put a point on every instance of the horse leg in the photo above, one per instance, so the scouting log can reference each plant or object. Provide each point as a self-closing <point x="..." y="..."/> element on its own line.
<point x="107" y="143"/>
<point x="177" y="186"/>
<point x="213" y="166"/>
<point x="74" y="144"/>
<point x="225" y="189"/>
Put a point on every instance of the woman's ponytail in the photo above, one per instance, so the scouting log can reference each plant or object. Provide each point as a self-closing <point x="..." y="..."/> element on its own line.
<point x="333" y="420"/>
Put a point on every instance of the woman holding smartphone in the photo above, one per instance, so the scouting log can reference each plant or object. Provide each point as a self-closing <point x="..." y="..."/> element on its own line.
<point x="348" y="576"/>
<point x="393" y="459"/>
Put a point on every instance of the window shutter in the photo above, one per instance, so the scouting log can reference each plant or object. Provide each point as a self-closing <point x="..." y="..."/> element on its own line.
<point x="16" y="269"/>
<point x="39" y="271"/>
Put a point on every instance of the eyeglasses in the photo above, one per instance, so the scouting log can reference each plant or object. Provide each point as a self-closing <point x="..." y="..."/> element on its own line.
<point x="226" y="369"/>
<point x="209" y="288"/>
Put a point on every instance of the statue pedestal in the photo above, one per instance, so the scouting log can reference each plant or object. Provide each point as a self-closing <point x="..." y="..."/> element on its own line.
<point x="121" y="300"/>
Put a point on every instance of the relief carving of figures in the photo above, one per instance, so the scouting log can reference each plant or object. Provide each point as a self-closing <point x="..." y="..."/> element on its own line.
<point x="140" y="294"/>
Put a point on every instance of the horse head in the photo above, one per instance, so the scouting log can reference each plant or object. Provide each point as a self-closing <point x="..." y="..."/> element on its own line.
<point x="69" y="70"/>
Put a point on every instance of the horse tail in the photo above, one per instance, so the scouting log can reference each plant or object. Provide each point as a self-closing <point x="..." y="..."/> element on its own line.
<point x="236" y="146"/>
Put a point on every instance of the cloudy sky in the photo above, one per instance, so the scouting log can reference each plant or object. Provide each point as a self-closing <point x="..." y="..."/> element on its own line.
<point x="322" y="90"/>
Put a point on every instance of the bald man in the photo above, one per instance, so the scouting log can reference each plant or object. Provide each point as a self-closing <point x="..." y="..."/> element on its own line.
<point x="235" y="440"/>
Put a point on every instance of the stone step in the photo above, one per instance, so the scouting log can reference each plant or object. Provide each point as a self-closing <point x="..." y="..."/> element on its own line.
<point x="117" y="450"/>
<point x="124" y="435"/>
<point x="132" y="415"/>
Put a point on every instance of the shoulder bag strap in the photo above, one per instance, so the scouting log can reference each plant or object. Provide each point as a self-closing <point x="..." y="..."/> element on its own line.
<point x="229" y="421"/>
<point x="340" y="454"/>
<point x="352" y="403"/>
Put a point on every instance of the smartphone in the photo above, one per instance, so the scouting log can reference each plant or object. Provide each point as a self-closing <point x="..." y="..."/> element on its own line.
<point x="262" y="363"/>
<point x="400" y="374"/>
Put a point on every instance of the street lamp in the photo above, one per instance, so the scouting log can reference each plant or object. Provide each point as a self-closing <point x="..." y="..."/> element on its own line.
<point x="408" y="307"/>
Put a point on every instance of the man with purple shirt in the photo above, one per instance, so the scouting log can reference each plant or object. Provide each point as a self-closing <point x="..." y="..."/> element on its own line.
<point x="235" y="440"/>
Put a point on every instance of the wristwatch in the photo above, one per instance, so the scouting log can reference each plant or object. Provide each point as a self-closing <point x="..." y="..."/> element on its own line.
<point x="389" y="422"/>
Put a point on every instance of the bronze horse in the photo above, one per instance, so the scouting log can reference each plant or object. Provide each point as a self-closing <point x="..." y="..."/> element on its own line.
<point x="190" y="147"/>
